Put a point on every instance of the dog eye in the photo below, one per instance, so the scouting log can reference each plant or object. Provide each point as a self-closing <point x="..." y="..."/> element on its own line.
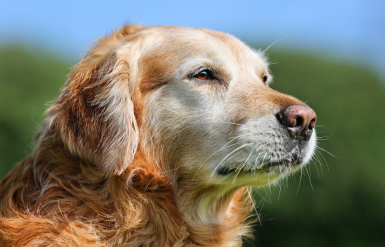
<point x="205" y="75"/>
<point x="265" y="78"/>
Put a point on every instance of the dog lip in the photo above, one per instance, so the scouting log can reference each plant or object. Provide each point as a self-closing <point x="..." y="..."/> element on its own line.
<point x="287" y="163"/>
<point x="226" y="170"/>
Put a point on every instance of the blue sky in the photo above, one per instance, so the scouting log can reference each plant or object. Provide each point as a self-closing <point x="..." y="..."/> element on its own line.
<point x="345" y="29"/>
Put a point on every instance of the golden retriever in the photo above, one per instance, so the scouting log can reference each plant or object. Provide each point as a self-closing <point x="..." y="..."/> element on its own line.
<point x="154" y="141"/>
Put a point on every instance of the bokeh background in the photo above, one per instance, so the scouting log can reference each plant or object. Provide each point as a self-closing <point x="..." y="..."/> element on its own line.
<point x="328" y="53"/>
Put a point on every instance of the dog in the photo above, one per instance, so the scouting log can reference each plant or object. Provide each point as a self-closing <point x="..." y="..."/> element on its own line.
<point x="155" y="140"/>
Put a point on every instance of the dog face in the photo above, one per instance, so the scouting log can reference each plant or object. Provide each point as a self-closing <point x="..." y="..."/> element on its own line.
<point x="210" y="112"/>
<point x="196" y="101"/>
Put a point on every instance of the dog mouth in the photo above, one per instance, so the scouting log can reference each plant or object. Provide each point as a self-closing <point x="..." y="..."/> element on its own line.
<point x="281" y="166"/>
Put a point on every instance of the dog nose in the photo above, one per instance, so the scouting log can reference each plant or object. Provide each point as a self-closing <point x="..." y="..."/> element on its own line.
<point x="299" y="120"/>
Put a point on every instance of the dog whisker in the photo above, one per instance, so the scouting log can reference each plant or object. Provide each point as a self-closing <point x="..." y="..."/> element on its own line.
<point x="318" y="147"/>
<point x="300" y="179"/>
<point x="264" y="51"/>
<point x="254" y="206"/>
<point x="317" y="151"/>
<point x="222" y="148"/>
<point x="309" y="175"/>
<point x="238" y="148"/>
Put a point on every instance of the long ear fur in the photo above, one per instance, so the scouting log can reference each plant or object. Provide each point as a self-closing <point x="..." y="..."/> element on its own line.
<point x="95" y="112"/>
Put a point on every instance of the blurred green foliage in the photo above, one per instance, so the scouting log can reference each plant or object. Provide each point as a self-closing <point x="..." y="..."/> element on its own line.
<point x="344" y="203"/>
<point x="28" y="80"/>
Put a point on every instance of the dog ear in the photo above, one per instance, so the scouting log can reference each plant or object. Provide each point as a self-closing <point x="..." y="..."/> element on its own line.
<point x="95" y="112"/>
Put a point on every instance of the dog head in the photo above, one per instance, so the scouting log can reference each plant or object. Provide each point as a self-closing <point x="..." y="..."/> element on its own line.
<point x="196" y="102"/>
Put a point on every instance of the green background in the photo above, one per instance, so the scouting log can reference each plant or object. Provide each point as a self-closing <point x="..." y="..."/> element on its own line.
<point x="338" y="202"/>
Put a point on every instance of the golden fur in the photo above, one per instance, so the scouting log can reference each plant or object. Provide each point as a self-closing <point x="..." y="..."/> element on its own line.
<point x="120" y="159"/>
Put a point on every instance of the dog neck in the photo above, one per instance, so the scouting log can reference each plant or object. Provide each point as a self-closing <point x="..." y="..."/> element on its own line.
<point x="201" y="215"/>
<point x="214" y="215"/>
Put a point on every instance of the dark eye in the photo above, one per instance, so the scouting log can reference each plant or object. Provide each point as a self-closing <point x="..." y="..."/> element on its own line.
<point x="265" y="78"/>
<point x="205" y="75"/>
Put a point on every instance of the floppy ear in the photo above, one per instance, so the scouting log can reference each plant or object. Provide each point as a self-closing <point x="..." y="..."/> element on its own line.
<point x="95" y="112"/>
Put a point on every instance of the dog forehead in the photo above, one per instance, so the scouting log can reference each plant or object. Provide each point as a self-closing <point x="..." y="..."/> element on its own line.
<point x="189" y="43"/>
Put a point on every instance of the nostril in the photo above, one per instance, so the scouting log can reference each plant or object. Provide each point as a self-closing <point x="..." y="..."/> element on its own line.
<point x="312" y="123"/>
<point x="299" y="121"/>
